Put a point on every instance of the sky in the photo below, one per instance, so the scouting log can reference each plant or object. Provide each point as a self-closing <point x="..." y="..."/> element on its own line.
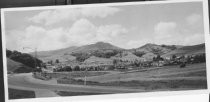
<point x="128" y="26"/>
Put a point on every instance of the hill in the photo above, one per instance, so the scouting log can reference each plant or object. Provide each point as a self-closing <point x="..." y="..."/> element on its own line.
<point x="55" y="52"/>
<point x="99" y="46"/>
<point x="187" y="50"/>
<point x="107" y="50"/>
<point x="61" y="54"/>
<point x="155" y="49"/>
<point x="127" y="56"/>
<point x="148" y="51"/>
<point x="99" y="49"/>
<point x="17" y="67"/>
<point x="23" y="58"/>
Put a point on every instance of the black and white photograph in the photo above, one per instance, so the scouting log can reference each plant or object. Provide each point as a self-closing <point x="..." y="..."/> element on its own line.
<point x="68" y="51"/>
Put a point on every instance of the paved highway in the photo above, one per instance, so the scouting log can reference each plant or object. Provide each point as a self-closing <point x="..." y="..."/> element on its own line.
<point x="26" y="82"/>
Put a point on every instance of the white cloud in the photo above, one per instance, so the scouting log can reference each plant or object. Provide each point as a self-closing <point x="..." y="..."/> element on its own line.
<point x="194" y="19"/>
<point x="36" y="37"/>
<point x="54" y="16"/>
<point x="170" y="33"/>
<point x="194" y="39"/>
<point x="108" y="32"/>
<point x="85" y="32"/>
<point x="82" y="32"/>
<point x="165" y="29"/>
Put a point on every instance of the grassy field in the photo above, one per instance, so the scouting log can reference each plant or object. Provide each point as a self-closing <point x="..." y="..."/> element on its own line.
<point x="191" y="74"/>
<point x="163" y="78"/>
<point x="19" y="94"/>
<point x="155" y="72"/>
<point x="147" y="85"/>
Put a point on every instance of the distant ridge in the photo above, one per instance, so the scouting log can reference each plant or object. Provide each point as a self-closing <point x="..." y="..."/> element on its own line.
<point x="156" y="49"/>
<point x="58" y="54"/>
<point x="187" y="50"/>
<point x="148" y="51"/>
<point x="97" y="46"/>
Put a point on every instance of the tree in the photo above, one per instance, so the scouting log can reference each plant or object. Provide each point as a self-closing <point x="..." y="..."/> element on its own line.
<point x="158" y="58"/>
<point x="136" y="63"/>
<point x="77" y="68"/>
<point x="50" y="62"/>
<point x="68" y="68"/>
<point x="8" y="53"/>
<point x="24" y="58"/>
<point x="173" y="57"/>
<point x="57" y="61"/>
<point x="115" y="63"/>
<point x="139" y="54"/>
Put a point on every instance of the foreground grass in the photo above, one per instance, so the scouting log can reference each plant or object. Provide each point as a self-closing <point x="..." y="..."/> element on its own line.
<point x="146" y="85"/>
<point x="192" y="74"/>
<point x="18" y="94"/>
<point x="162" y="84"/>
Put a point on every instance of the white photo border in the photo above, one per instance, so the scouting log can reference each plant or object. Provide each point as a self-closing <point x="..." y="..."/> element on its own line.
<point x="111" y="96"/>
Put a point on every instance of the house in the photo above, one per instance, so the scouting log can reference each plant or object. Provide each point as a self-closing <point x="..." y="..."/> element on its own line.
<point x="158" y="63"/>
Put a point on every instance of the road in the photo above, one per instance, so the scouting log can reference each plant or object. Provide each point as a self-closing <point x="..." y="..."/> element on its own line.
<point x="27" y="82"/>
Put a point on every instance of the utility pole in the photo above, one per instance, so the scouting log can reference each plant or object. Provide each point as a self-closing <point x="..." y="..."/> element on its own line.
<point x="35" y="55"/>
<point x="85" y="76"/>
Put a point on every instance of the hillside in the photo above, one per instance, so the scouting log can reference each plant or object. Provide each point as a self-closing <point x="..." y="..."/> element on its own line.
<point x="155" y="49"/>
<point x="187" y="50"/>
<point x="16" y="67"/>
<point x="61" y="58"/>
<point x="96" y="47"/>
<point x="127" y="56"/>
<point x="55" y="52"/>
<point x="99" y="48"/>
<point x="106" y="50"/>
<point x="23" y="58"/>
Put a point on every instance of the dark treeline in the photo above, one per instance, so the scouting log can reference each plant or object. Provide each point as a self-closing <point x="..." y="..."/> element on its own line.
<point x="23" y="58"/>
<point x="98" y="53"/>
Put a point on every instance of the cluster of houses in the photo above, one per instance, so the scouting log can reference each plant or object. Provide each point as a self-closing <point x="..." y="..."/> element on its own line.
<point x="120" y="61"/>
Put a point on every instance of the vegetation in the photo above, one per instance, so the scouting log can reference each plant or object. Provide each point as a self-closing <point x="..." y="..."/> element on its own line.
<point x="19" y="94"/>
<point x="23" y="58"/>
<point x="146" y="85"/>
<point x="105" y="54"/>
<point x="139" y="54"/>
<point x="189" y="59"/>
<point x="81" y="56"/>
<point x="172" y="47"/>
<point x="192" y="74"/>
<point x="158" y="58"/>
<point x="57" y="61"/>
<point x="65" y="69"/>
